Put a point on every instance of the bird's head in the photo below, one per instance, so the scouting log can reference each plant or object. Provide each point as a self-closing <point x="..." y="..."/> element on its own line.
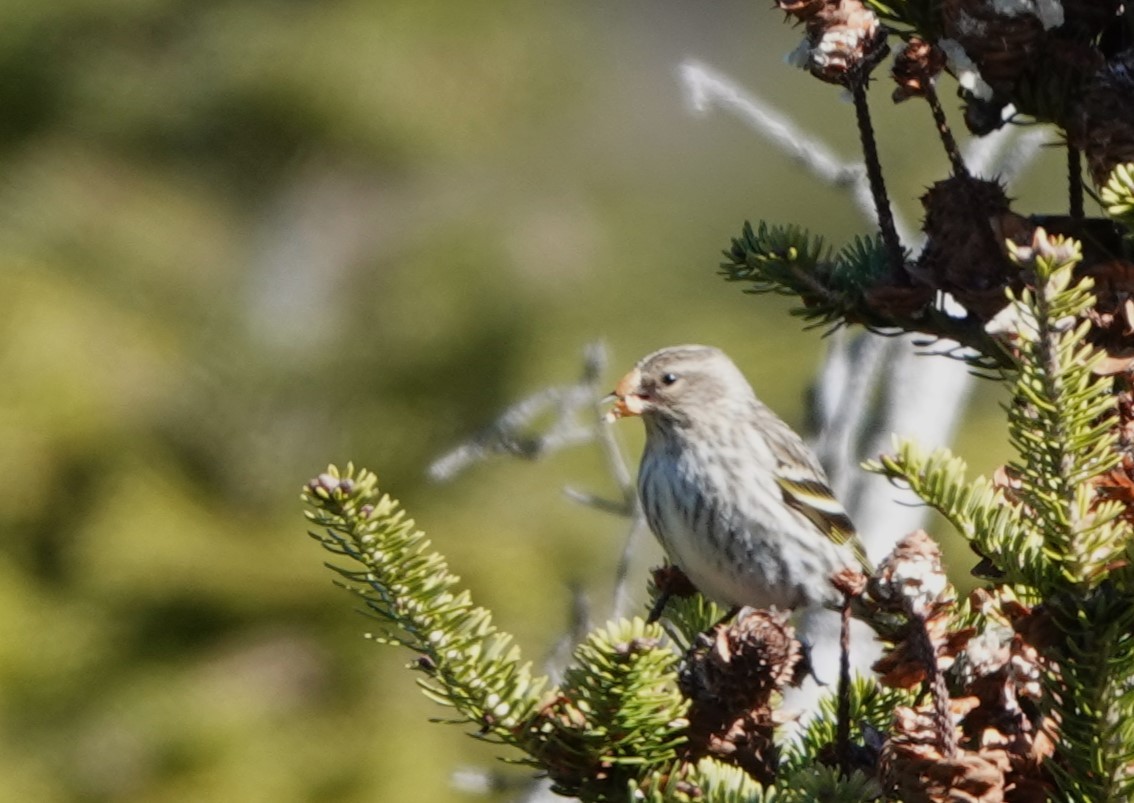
<point x="673" y="383"/>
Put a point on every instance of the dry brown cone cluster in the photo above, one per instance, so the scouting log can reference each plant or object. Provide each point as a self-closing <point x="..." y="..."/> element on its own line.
<point x="1034" y="58"/>
<point x="672" y="582"/>
<point x="731" y="680"/>
<point x="1050" y="61"/>
<point x="1086" y="19"/>
<point x="915" y="68"/>
<point x="1000" y="681"/>
<point x="1001" y="45"/>
<point x="976" y="738"/>
<point x="1113" y="314"/>
<point x="1118" y="483"/>
<point x="910" y="602"/>
<point x="1103" y="126"/>
<point x="966" y="223"/>
<point x="916" y="769"/>
<point x="845" y="39"/>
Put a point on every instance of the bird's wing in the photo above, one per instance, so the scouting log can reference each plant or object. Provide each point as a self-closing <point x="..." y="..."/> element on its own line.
<point x="805" y="491"/>
<point x="804" y="485"/>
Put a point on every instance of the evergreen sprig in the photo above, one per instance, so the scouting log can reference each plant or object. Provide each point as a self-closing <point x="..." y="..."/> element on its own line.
<point x="710" y="780"/>
<point x="1064" y="429"/>
<point x="1046" y="526"/>
<point x="618" y="722"/>
<point x="467" y="662"/>
<point x="860" y="265"/>
<point x="856" y="285"/>
<point x="1062" y="422"/>
<point x="786" y="260"/>
<point x="1091" y="695"/>
<point x="1117" y="195"/>
<point x="818" y="782"/>
<point x="707" y="780"/>
<point x="976" y="508"/>
<point x="618" y="715"/>
<point x="871" y="711"/>
<point x="686" y="617"/>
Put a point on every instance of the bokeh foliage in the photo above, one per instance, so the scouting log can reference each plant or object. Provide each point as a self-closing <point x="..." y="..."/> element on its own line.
<point x="243" y="237"/>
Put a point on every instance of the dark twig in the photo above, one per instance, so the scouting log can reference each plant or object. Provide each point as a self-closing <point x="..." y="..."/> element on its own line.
<point x="658" y="607"/>
<point x="1075" y="182"/>
<point x="894" y="250"/>
<point x="842" y="717"/>
<point x="935" y="678"/>
<point x="946" y="133"/>
<point x="851" y="584"/>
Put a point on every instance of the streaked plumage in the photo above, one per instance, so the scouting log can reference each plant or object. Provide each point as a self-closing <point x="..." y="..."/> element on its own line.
<point x="735" y="497"/>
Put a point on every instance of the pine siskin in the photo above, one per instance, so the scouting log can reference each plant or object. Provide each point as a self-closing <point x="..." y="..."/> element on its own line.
<point x="736" y="499"/>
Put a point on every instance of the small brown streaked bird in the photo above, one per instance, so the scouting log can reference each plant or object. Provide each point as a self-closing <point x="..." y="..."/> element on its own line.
<point x="737" y="500"/>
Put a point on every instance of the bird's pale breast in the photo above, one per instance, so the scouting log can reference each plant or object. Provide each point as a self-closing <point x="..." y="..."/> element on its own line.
<point x="718" y="514"/>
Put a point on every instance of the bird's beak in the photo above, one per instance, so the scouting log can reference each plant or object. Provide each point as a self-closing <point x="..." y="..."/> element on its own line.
<point x="627" y="397"/>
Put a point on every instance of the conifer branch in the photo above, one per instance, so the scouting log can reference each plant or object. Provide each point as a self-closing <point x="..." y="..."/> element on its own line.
<point x="1117" y="195"/>
<point x="467" y="663"/>
<point x="895" y="253"/>
<point x="1063" y="421"/>
<point x="977" y="509"/>
<point x="617" y="714"/>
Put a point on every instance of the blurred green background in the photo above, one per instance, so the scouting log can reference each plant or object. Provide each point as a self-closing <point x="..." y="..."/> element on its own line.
<point x="244" y="239"/>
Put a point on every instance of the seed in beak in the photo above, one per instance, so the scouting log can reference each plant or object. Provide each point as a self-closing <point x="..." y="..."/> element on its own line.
<point x="628" y="401"/>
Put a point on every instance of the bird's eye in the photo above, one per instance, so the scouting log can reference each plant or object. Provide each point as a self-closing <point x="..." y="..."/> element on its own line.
<point x="668" y="379"/>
